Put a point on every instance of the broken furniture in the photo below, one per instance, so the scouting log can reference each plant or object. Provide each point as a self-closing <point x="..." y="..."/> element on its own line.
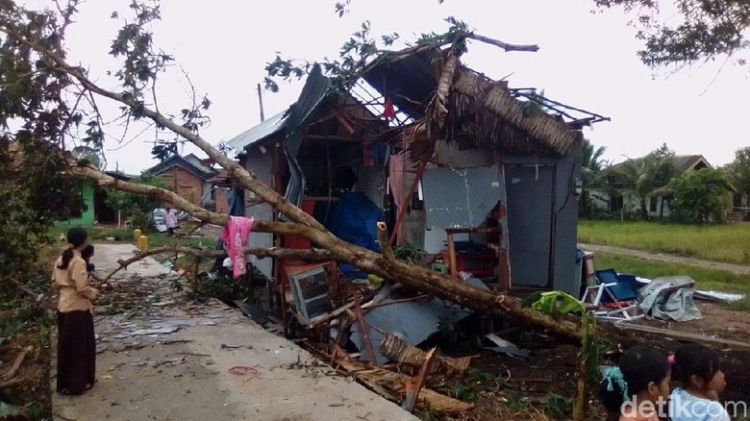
<point x="484" y="263"/>
<point x="461" y="201"/>
<point x="614" y="297"/>
<point x="309" y="286"/>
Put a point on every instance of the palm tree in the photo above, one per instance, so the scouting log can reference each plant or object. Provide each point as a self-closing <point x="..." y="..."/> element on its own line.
<point x="644" y="175"/>
<point x="592" y="172"/>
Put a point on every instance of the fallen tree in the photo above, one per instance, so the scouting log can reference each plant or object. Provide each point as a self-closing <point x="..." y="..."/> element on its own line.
<point x="34" y="41"/>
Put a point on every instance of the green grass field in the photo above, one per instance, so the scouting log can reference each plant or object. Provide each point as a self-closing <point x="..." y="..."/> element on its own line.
<point x="706" y="279"/>
<point x="724" y="243"/>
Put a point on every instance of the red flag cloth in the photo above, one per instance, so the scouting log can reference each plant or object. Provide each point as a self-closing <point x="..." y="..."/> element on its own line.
<point x="389" y="113"/>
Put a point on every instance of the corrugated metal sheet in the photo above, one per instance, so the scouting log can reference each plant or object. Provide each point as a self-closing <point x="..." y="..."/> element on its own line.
<point x="270" y="126"/>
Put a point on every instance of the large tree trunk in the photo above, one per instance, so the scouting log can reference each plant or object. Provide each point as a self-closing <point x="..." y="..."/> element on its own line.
<point x="385" y="265"/>
<point x="305" y="225"/>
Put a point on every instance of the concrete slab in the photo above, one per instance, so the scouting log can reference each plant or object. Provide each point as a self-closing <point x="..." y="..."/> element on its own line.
<point x="189" y="375"/>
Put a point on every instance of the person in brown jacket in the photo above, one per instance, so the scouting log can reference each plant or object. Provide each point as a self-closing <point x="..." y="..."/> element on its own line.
<point x="76" y="344"/>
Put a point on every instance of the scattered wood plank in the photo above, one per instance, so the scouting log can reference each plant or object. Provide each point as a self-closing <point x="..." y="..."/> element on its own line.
<point x="682" y="335"/>
<point x="365" y="335"/>
<point x="403" y="352"/>
<point x="392" y="385"/>
<point x="414" y="385"/>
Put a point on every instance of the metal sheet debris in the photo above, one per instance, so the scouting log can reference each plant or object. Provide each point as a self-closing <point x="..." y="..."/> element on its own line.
<point x="162" y="330"/>
<point x="718" y="296"/>
<point x="412" y="322"/>
<point x="506" y="347"/>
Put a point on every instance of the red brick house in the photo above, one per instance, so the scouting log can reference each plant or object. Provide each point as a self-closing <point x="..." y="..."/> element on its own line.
<point x="187" y="176"/>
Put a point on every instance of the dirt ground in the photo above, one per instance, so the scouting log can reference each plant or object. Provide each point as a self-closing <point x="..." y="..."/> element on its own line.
<point x="214" y="364"/>
<point x="188" y="374"/>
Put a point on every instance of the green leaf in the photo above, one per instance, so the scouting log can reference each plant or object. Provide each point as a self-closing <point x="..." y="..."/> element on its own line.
<point x="9" y="410"/>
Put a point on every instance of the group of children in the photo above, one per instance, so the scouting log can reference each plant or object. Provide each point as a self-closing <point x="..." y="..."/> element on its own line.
<point x="639" y="388"/>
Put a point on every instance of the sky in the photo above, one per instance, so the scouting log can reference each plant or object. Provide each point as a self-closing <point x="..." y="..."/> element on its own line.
<point x="586" y="59"/>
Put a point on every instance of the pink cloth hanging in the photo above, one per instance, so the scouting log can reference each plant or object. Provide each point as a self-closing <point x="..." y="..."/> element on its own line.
<point x="396" y="178"/>
<point x="235" y="236"/>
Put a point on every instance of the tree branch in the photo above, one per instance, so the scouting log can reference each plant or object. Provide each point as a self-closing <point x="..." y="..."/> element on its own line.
<point x="303" y="225"/>
<point x="246" y="177"/>
<point x="274" y="252"/>
<point x="385" y="242"/>
<point x="501" y="44"/>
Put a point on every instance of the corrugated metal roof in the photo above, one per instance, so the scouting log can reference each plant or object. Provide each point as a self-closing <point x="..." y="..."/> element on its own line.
<point x="255" y="134"/>
<point x="197" y="163"/>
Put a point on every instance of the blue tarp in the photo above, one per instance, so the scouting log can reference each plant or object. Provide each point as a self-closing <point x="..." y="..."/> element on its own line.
<point x="354" y="220"/>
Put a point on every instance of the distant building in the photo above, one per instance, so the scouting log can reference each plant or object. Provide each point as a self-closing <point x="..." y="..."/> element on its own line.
<point x="188" y="176"/>
<point x="95" y="210"/>
<point x="657" y="202"/>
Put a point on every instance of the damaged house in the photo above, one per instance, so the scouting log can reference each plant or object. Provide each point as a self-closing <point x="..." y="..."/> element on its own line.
<point x="495" y="200"/>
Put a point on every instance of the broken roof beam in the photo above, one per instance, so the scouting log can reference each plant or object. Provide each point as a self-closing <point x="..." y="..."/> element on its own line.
<point x="530" y="94"/>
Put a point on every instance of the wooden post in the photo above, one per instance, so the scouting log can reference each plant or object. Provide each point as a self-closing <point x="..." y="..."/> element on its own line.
<point x="405" y="204"/>
<point x="365" y="335"/>
<point x="504" y="282"/>
<point x="452" y="256"/>
<point x="415" y="386"/>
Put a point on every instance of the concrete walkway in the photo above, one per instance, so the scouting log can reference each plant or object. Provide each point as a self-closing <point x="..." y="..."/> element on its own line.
<point x="669" y="258"/>
<point x="215" y="365"/>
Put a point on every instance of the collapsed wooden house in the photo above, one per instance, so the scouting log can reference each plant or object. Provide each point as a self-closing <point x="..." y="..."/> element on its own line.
<point x="495" y="199"/>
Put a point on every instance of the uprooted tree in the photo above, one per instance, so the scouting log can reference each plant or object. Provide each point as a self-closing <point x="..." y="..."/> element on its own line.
<point x="53" y="102"/>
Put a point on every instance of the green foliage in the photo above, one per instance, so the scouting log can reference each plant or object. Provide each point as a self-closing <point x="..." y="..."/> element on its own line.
<point x="360" y="51"/>
<point x="133" y="45"/>
<point x="592" y="163"/>
<point x="34" y="193"/>
<point x="466" y="393"/>
<point x="409" y="253"/>
<point x="739" y="171"/>
<point x="697" y="30"/>
<point x="644" y="175"/>
<point x="7" y="411"/>
<point x="557" y="407"/>
<point x="701" y="197"/>
<point x="223" y="287"/>
<point x="590" y="358"/>
<point x="18" y="314"/>
<point x="136" y="207"/>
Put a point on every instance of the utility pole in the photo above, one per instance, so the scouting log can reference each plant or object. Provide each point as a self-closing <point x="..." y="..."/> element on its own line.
<point x="260" y="101"/>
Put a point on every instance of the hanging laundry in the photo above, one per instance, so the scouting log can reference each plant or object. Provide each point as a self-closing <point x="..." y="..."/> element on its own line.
<point x="396" y="178"/>
<point x="389" y="113"/>
<point x="368" y="153"/>
<point x="235" y="236"/>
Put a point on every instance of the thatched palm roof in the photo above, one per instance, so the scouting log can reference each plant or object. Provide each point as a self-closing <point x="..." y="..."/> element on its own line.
<point x="482" y="112"/>
<point x="490" y="116"/>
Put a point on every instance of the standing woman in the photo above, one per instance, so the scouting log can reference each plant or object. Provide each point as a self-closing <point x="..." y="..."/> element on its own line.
<point x="76" y="344"/>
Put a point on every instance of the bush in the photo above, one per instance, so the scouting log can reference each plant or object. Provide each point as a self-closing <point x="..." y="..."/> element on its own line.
<point x="136" y="207"/>
<point x="140" y="220"/>
<point x="703" y="196"/>
<point x="34" y="193"/>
